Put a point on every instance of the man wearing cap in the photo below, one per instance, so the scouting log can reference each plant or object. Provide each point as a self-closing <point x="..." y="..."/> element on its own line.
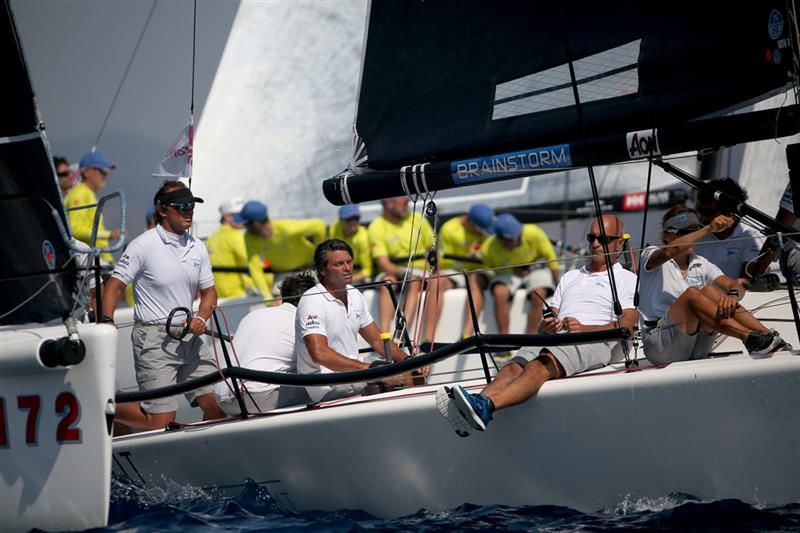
<point x="510" y="252"/>
<point x="685" y="300"/>
<point x="283" y="245"/>
<point x="462" y="237"/>
<point x="226" y="248"/>
<point x="167" y="267"/>
<point x="349" y="229"/>
<point x="94" y="177"/>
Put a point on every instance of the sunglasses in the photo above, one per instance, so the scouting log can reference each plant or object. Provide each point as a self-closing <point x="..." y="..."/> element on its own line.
<point x="64" y="174"/>
<point x="182" y="207"/>
<point x="601" y="239"/>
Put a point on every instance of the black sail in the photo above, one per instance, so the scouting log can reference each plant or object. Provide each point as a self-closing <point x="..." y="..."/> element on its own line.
<point x="32" y="249"/>
<point x="449" y="82"/>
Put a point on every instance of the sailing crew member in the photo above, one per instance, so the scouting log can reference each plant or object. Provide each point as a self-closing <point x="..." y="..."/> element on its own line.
<point x="264" y="341"/>
<point x="283" y="245"/>
<point x="349" y="229"/>
<point x="400" y="240"/>
<point x="582" y="302"/>
<point x="786" y="216"/>
<point x="226" y="249"/>
<point x="64" y="173"/>
<point x="330" y="317"/>
<point x="463" y="236"/>
<point x="510" y="252"/>
<point x="686" y="300"/>
<point x="94" y="169"/>
<point x="736" y="251"/>
<point x="167" y="267"/>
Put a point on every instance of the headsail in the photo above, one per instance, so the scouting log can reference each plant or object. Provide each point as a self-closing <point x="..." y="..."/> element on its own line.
<point x="30" y="241"/>
<point x="482" y="91"/>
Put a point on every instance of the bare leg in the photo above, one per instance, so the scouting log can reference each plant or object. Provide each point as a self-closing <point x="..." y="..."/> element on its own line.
<point x="131" y="414"/>
<point x="507" y="374"/>
<point x="211" y="409"/>
<point x="502" y="297"/>
<point x="535" y="310"/>
<point x="477" y="284"/>
<point x="411" y="299"/>
<point x="385" y="306"/>
<point x="434" y="304"/>
<point x="527" y="384"/>
<point x="742" y="316"/>
<point x="694" y="310"/>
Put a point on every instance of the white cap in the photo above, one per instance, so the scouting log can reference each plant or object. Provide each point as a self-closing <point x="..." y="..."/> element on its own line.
<point x="232" y="206"/>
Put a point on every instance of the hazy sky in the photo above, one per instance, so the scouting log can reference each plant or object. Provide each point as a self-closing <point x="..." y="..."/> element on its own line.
<point x="77" y="51"/>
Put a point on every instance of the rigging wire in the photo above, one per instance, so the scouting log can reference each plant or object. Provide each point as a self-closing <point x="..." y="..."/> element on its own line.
<point x="124" y="75"/>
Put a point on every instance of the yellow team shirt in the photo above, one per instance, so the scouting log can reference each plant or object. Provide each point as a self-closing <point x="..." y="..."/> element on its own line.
<point x="81" y="220"/>
<point x="395" y="240"/>
<point x="290" y="248"/>
<point x="226" y="248"/>
<point x="454" y="239"/>
<point x="362" y="258"/>
<point x="535" y="247"/>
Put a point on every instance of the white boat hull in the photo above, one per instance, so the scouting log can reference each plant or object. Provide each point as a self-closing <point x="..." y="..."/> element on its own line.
<point x="719" y="428"/>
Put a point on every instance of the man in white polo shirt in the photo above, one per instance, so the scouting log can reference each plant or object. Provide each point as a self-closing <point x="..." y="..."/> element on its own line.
<point x="582" y="302"/>
<point x="167" y="267"/>
<point x="264" y="341"/>
<point x="330" y="317"/>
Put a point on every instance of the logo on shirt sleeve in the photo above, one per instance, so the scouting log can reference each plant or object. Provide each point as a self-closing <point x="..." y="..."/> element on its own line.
<point x="312" y="321"/>
<point x="125" y="260"/>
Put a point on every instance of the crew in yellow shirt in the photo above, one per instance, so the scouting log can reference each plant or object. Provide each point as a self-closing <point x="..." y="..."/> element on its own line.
<point x="283" y="245"/>
<point x="226" y="249"/>
<point x="463" y="236"/>
<point x="510" y="251"/>
<point x="395" y="236"/>
<point x="349" y="229"/>
<point x="94" y="177"/>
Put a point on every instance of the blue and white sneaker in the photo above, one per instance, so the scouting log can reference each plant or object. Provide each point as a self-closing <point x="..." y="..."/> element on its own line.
<point x="446" y="406"/>
<point x="474" y="407"/>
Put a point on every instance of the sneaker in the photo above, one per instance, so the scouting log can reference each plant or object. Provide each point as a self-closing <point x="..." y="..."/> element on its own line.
<point x="474" y="407"/>
<point x="446" y="406"/>
<point x="783" y="344"/>
<point x="760" y="343"/>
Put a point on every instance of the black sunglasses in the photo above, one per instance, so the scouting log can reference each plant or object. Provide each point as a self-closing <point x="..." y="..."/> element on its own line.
<point x="182" y="207"/>
<point x="602" y="239"/>
<point x="64" y="174"/>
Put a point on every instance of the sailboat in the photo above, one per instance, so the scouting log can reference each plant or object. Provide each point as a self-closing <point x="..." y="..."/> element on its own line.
<point x="462" y="93"/>
<point x="56" y="375"/>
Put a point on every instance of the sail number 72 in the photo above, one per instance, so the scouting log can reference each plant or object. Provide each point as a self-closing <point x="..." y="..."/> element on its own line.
<point x="66" y="405"/>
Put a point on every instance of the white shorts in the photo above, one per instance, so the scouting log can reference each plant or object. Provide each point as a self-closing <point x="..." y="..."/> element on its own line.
<point x="665" y="343"/>
<point x="575" y="358"/>
<point x="541" y="278"/>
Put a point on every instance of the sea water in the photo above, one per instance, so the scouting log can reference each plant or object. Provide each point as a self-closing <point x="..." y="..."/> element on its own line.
<point x="183" y="508"/>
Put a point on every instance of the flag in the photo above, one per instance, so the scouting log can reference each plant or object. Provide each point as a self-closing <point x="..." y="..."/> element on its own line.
<point x="177" y="161"/>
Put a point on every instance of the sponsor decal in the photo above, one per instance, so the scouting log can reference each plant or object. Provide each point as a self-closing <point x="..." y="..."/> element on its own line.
<point x="498" y="166"/>
<point x="196" y="263"/>
<point x="642" y="144"/>
<point x="125" y="260"/>
<point x="312" y="321"/>
<point x="694" y="282"/>
<point x="49" y="254"/>
<point x="775" y="24"/>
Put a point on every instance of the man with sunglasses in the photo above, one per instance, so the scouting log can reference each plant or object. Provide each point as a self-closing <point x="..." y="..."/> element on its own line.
<point x="167" y="267"/>
<point x="685" y="300"/>
<point x="348" y="228"/>
<point x="517" y="253"/>
<point x="64" y="173"/>
<point x="736" y="250"/>
<point x="582" y="302"/>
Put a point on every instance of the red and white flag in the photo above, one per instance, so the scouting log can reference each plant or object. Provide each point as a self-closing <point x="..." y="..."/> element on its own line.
<point x="177" y="161"/>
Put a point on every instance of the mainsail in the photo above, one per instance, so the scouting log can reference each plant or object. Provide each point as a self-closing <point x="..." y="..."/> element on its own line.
<point x="32" y="247"/>
<point x="458" y="93"/>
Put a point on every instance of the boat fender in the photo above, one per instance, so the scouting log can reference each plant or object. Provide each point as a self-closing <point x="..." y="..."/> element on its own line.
<point x="61" y="352"/>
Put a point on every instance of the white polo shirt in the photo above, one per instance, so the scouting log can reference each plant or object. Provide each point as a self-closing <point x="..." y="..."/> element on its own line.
<point x="661" y="286"/>
<point x="743" y="245"/>
<point x="264" y="341"/>
<point x="787" y="203"/>
<point x="166" y="271"/>
<point x="586" y="295"/>
<point x="320" y="313"/>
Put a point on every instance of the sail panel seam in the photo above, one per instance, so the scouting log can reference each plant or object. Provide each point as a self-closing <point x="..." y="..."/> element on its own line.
<point x="20" y="138"/>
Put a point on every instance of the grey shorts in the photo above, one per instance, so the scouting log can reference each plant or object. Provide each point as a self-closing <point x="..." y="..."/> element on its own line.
<point x="334" y="392"/>
<point x="541" y="278"/>
<point x="665" y="343"/>
<point x="160" y="360"/>
<point x="263" y="401"/>
<point x="574" y="358"/>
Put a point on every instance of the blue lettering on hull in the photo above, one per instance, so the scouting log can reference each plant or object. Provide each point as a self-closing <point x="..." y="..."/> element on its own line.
<point x="513" y="163"/>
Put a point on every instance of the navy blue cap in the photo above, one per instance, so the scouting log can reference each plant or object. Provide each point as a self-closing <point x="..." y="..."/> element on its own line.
<point x="507" y="226"/>
<point x="96" y="160"/>
<point x="483" y="217"/>
<point x="349" y="211"/>
<point x="252" y="212"/>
